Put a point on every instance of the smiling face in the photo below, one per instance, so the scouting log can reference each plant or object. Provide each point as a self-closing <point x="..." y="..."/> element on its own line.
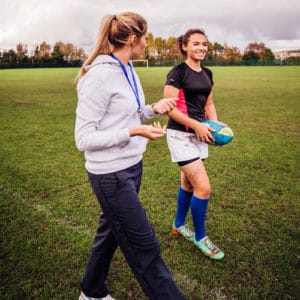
<point x="196" y="47"/>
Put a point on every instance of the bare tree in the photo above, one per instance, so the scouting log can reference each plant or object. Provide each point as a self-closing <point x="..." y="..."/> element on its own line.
<point x="44" y="51"/>
<point x="21" y="52"/>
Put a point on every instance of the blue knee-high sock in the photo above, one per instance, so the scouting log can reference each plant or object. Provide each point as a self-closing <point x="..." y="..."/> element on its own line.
<point x="183" y="205"/>
<point x="198" y="208"/>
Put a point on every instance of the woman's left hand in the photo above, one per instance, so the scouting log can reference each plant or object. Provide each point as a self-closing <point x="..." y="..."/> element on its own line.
<point x="151" y="132"/>
<point x="164" y="105"/>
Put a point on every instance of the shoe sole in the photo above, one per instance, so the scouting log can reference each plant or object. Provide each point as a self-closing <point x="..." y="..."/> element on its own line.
<point x="175" y="231"/>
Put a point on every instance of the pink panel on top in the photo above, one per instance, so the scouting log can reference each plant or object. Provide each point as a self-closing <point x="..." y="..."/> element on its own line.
<point x="181" y="105"/>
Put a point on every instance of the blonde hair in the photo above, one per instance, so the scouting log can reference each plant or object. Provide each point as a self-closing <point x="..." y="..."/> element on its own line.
<point x="113" y="34"/>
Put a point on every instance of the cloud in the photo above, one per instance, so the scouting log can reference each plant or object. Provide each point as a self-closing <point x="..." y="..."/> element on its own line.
<point x="236" y="22"/>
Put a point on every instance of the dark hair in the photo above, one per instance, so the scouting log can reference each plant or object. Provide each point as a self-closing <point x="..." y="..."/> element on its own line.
<point x="184" y="39"/>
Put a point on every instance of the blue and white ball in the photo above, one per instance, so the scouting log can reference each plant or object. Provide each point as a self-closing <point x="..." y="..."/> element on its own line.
<point x="222" y="134"/>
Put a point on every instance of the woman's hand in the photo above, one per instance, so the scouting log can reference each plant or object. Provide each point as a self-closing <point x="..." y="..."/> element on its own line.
<point x="151" y="132"/>
<point x="164" y="105"/>
<point x="203" y="133"/>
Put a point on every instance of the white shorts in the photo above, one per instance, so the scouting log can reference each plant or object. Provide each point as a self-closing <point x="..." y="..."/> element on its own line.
<point x="185" y="146"/>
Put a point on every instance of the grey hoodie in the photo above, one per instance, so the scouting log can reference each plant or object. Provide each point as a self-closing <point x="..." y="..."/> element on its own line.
<point x="106" y="110"/>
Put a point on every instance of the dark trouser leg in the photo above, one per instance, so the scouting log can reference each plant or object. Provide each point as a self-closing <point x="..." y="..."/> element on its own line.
<point x="118" y="196"/>
<point x="93" y="281"/>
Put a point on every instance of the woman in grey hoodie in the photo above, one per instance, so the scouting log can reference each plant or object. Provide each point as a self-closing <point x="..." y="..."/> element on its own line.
<point x="111" y="106"/>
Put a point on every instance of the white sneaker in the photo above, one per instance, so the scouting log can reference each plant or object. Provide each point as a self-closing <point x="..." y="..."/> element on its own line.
<point x="85" y="297"/>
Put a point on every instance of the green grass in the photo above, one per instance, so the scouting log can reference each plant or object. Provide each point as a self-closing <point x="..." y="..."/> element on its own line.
<point x="49" y="214"/>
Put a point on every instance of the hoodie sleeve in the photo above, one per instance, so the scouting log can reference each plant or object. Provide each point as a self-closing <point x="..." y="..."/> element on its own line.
<point x="147" y="113"/>
<point x="91" y="108"/>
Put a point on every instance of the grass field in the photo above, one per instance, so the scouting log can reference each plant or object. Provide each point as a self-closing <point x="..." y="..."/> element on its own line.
<point x="49" y="214"/>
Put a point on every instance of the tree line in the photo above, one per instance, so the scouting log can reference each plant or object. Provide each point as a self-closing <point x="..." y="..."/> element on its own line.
<point x="157" y="51"/>
<point x="60" y="53"/>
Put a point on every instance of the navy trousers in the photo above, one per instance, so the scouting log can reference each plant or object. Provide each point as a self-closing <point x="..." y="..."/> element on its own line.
<point x="124" y="223"/>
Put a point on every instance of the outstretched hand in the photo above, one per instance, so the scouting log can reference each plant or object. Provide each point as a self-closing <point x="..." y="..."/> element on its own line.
<point x="151" y="132"/>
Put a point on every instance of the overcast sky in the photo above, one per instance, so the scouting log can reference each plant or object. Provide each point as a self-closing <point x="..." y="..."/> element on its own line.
<point x="235" y="22"/>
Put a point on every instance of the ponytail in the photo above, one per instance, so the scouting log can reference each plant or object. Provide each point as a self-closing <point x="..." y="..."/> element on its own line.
<point x="102" y="45"/>
<point x="113" y="34"/>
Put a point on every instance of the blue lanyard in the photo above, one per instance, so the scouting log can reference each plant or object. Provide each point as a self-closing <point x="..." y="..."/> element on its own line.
<point x="134" y="86"/>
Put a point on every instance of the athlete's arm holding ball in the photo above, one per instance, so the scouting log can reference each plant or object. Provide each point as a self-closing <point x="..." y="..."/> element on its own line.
<point x="203" y="132"/>
<point x="210" y="109"/>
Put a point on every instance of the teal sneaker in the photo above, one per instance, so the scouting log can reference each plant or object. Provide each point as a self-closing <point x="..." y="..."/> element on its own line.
<point x="83" y="296"/>
<point x="209" y="249"/>
<point x="184" y="231"/>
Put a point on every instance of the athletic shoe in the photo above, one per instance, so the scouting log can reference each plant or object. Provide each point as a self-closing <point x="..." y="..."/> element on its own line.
<point x="184" y="231"/>
<point x="209" y="249"/>
<point x="85" y="297"/>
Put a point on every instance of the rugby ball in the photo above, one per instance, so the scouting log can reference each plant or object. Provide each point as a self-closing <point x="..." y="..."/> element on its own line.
<point x="222" y="134"/>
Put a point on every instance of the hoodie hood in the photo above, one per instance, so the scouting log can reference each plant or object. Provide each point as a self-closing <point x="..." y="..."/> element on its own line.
<point x="102" y="59"/>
